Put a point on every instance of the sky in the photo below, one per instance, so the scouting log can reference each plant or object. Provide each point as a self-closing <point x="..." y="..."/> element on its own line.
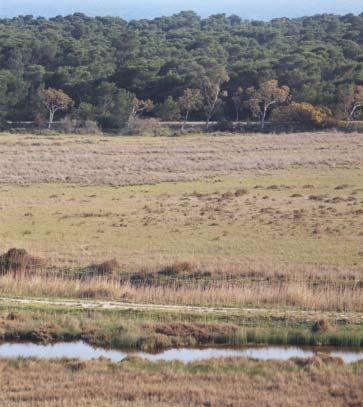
<point x="135" y="9"/>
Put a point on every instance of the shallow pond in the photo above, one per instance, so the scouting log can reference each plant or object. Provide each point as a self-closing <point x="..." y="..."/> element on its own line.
<point x="84" y="351"/>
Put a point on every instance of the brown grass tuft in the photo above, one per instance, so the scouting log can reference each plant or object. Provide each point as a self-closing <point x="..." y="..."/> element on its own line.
<point x="319" y="360"/>
<point x="178" y="268"/>
<point x="203" y="333"/>
<point x="12" y="316"/>
<point x="240" y="192"/>
<point x="76" y="366"/>
<point x="320" y="326"/>
<point x="106" y="268"/>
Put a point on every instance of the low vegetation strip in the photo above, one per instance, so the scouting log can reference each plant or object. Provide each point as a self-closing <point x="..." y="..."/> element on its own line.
<point x="135" y="326"/>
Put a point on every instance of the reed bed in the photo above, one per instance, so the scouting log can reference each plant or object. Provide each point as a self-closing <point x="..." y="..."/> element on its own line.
<point x="298" y="294"/>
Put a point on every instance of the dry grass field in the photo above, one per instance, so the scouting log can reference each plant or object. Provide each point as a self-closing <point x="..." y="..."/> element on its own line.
<point x="123" y="161"/>
<point x="266" y="219"/>
<point x="292" y="216"/>
<point x="219" y="383"/>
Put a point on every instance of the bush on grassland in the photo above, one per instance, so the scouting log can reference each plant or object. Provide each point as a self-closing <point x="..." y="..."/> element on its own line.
<point x="67" y="125"/>
<point x="304" y="113"/>
<point x="106" y="268"/>
<point x="178" y="268"/>
<point x="19" y="261"/>
<point x="148" y="127"/>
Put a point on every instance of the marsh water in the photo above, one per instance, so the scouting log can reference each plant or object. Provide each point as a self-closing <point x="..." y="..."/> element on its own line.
<point x="84" y="351"/>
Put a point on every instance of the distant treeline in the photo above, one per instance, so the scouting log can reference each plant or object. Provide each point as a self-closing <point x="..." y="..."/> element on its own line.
<point x="181" y="67"/>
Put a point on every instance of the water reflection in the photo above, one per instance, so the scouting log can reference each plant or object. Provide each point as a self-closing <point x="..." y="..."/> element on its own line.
<point x="83" y="351"/>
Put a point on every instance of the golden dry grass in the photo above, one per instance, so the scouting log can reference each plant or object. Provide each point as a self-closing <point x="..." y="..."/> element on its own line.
<point x="233" y="383"/>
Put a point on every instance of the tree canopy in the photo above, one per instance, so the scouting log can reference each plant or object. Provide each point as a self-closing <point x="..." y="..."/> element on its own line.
<point x="104" y="63"/>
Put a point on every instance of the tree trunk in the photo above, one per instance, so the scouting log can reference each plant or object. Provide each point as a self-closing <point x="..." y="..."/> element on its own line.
<point x="185" y="120"/>
<point x="263" y="118"/>
<point x="351" y="115"/>
<point x="51" y="118"/>
<point x="208" y="120"/>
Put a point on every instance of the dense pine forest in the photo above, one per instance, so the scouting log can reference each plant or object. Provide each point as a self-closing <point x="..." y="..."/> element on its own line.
<point x="180" y="67"/>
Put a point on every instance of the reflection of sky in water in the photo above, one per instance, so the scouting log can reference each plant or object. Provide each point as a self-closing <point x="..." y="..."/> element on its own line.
<point x="190" y="355"/>
<point x="249" y="9"/>
<point x="86" y="352"/>
<point x="349" y="357"/>
<point x="78" y="350"/>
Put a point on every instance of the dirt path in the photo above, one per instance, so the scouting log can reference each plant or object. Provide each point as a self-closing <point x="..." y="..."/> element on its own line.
<point x="87" y="304"/>
<point x="114" y="305"/>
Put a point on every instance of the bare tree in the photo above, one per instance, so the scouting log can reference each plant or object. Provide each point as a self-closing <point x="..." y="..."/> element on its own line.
<point x="269" y="95"/>
<point x="54" y="100"/>
<point x="211" y="87"/>
<point x="190" y="101"/>
<point x="350" y="100"/>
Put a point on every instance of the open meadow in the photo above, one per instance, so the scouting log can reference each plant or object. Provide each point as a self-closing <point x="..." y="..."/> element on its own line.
<point x="150" y="243"/>
<point x="214" y="220"/>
